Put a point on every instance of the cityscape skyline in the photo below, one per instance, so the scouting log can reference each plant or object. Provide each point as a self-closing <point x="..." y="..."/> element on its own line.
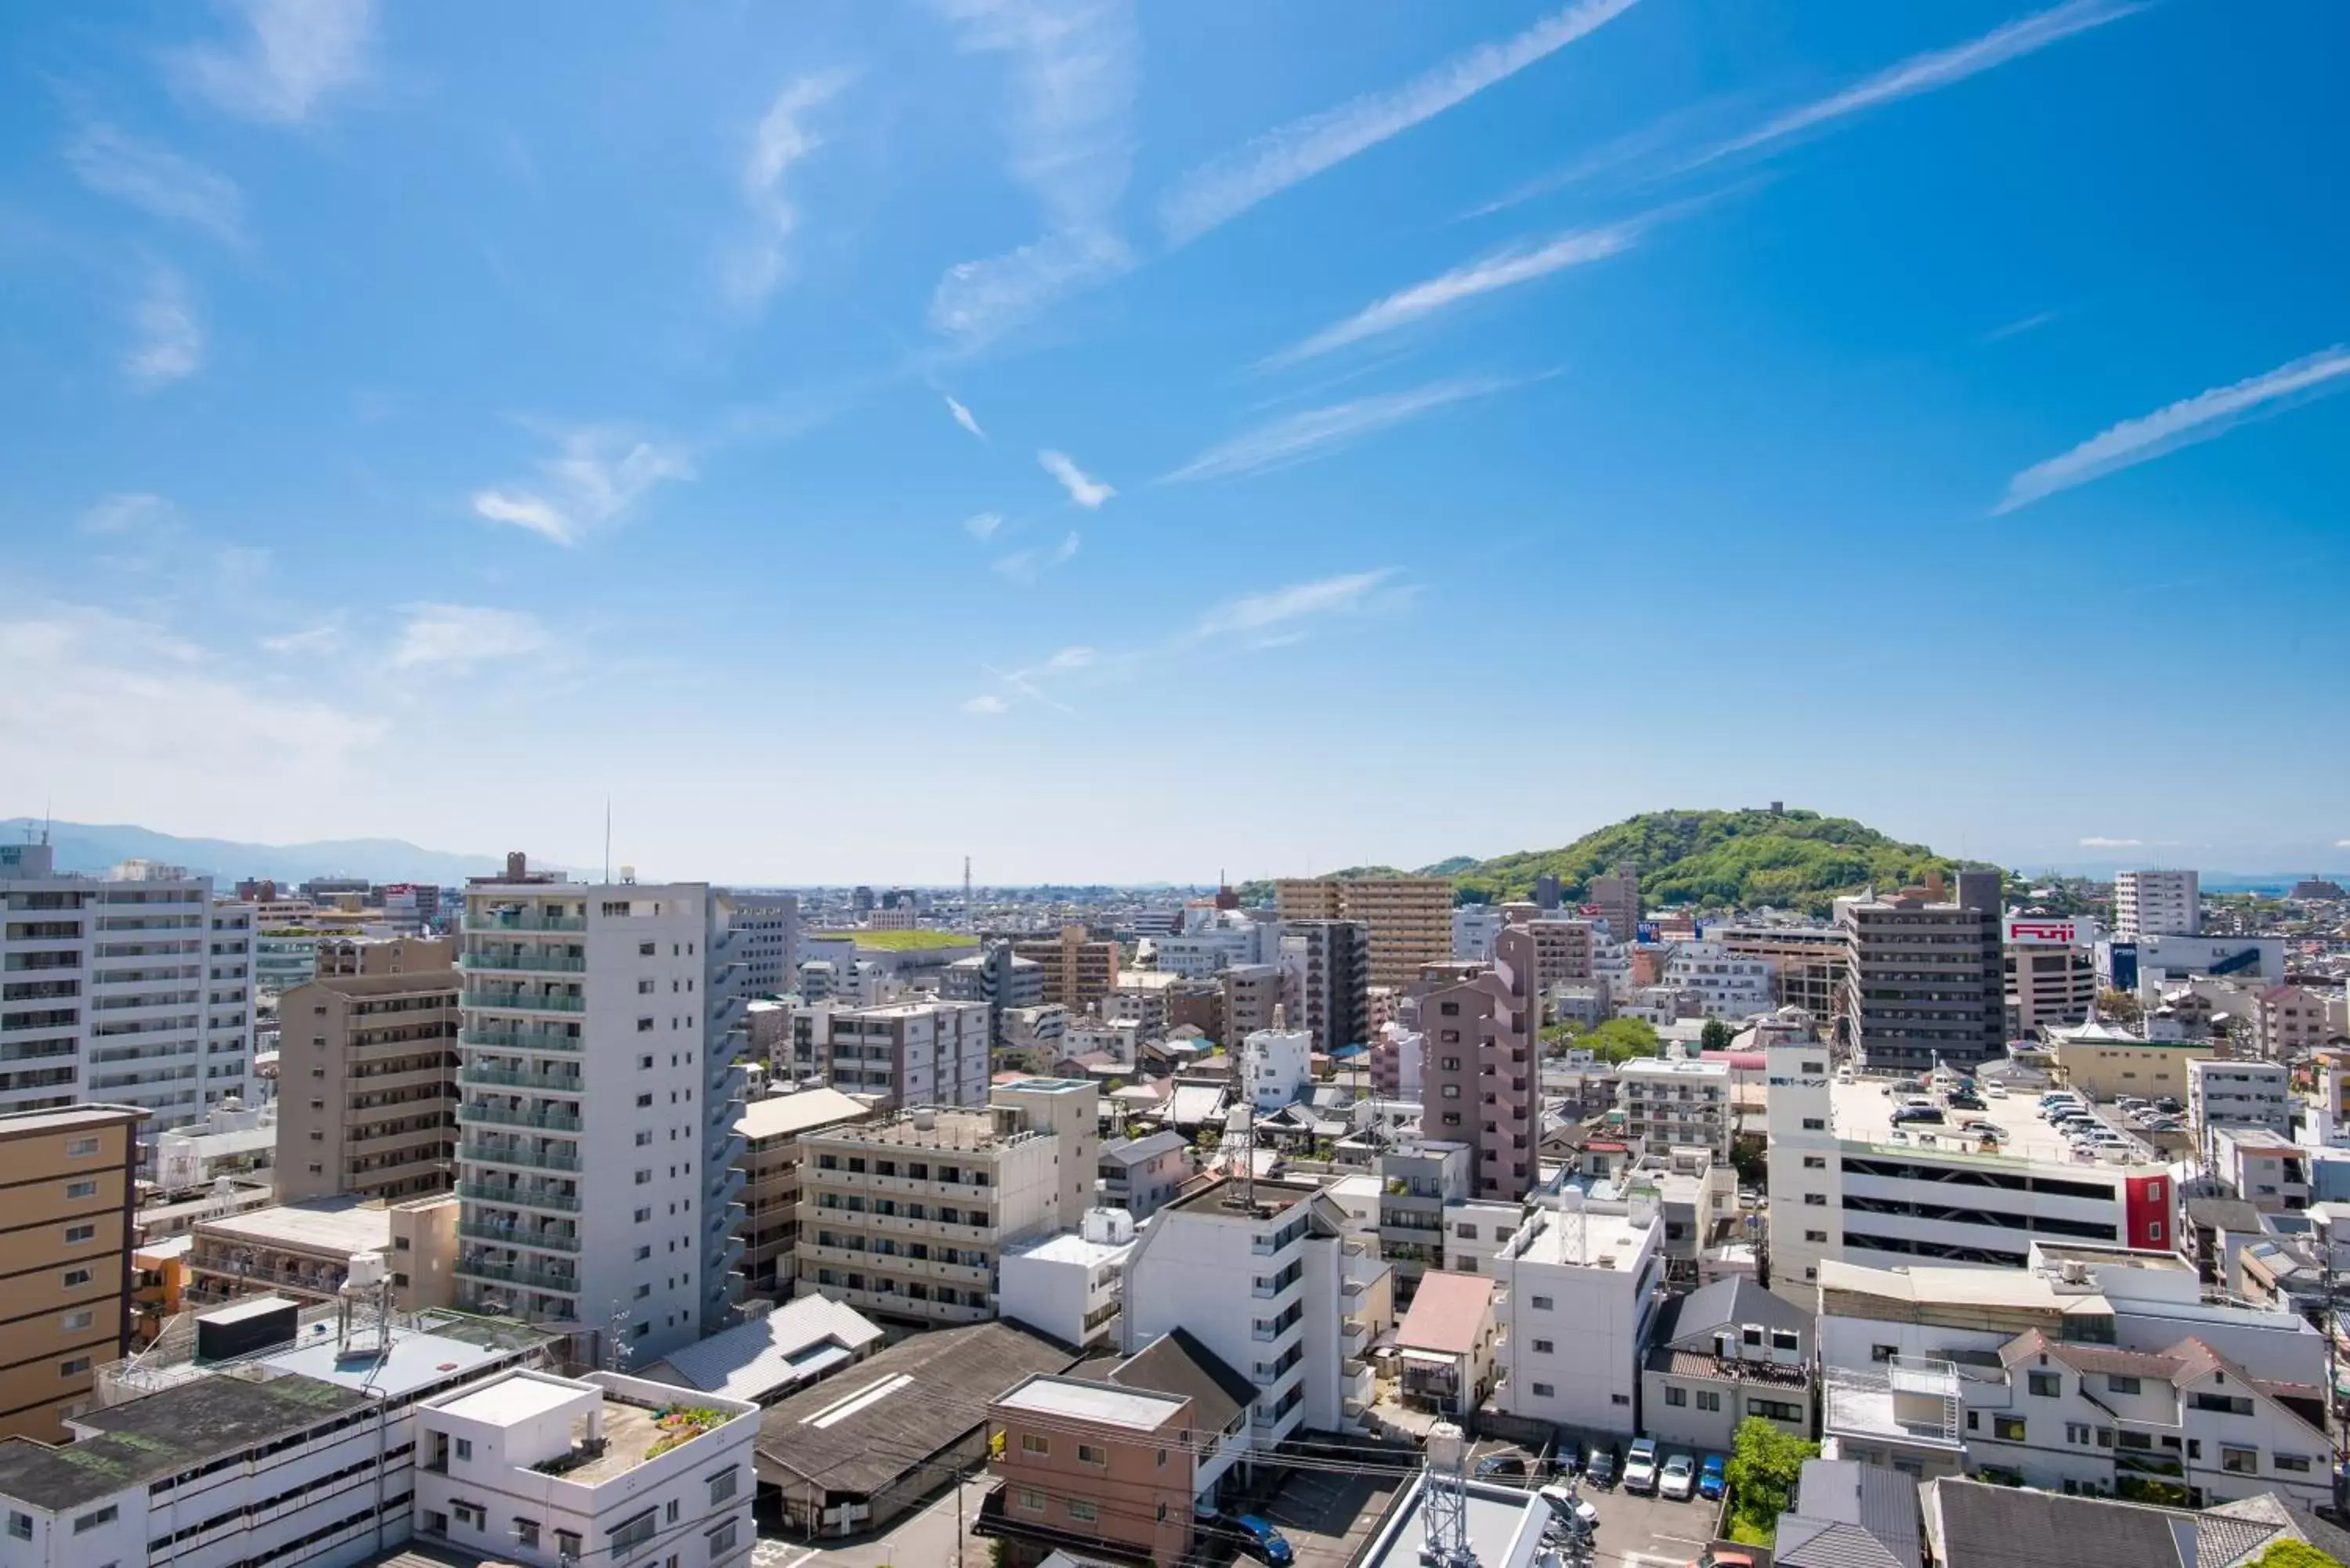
<point x="1007" y="402"/>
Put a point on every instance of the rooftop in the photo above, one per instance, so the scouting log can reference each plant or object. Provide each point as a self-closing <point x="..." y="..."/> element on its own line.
<point x="1581" y="1240"/>
<point x="1448" y="1314"/>
<point x="799" y="1342"/>
<point x="961" y="1127"/>
<point x="1071" y="1247"/>
<point x="1862" y="1112"/>
<point x="1135" y="1409"/>
<point x="1662" y="1066"/>
<point x="1222" y="1197"/>
<point x="511" y="1401"/>
<point x="340" y="1226"/>
<point x="779" y="1115"/>
<point x="1505" y="1526"/>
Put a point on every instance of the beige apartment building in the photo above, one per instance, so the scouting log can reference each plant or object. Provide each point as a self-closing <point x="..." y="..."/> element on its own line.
<point x="368" y="1084"/>
<point x="1078" y="971"/>
<point x="1252" y="991"/>
<point x="384" y="955"/>
<point x="773" y="1131"/>
<point x="303" y="1251"/>
<point x="68" y="1176"/>
<point x="1409" y="918"/>
<point x="1563" y="951"/>
<point x="2288" y="1020"/>
<point x="907" y="1218"/>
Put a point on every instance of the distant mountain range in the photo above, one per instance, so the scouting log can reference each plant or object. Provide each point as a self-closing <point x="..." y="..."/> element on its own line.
<point x="94" y="848"/>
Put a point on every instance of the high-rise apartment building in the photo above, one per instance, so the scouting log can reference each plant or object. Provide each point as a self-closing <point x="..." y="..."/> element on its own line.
<point x="598" y="1155"/>
<point x="907" y="1217"/>
<point x="1478" y="1069"/>
<point x="997" y="976"/>
<point x="368" y="1084"/>
<point x="132" y="988"/>
<point x="1928" y="975"/>
<point x="769" y="924"/>
<point x="1617" y="896"/>
<point x="773" y="1132"/>
<point x="1078" y="971"/>
<point x="2158" y="904"/>
<point x="1251" y="993"/>
<point x="1562" y="950"/>
<point x="1326" y="978"/>
<point x="1408" y="919"/>
<point x="69" y="1175"/>
<point x="905" y="1053"/>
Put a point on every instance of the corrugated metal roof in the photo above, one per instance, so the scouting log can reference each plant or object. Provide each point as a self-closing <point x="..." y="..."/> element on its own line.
<point x="795" y="1343"/>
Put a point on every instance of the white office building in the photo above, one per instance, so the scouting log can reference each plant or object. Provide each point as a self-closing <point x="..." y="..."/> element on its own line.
<point x="1578" y="1287"/>
<point x="596" y="1164"/>
<point x="2157" y="903"/>
<point x="2239" y="1094"/>
<point x="769" y="924"/>
<point x="1278" y="1066"/>
<point x="132" y="988"/>
<point x="546" y="1471"/>
<point x="1474" y="926"/>
<point x="1677" y="1101"/>
<point x="1265" y="1276"/>
<point x="1729" y="986"/>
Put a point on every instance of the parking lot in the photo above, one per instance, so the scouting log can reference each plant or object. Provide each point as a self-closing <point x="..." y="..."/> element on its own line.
<point x="1328" y="1516"/>
<point x="1642" y="1531"/>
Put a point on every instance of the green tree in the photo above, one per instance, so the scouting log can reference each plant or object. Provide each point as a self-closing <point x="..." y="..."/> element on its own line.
<point x="2119" y="1007"/>
<point x="1765" y="1464"/>
<point x="1717" y="1035"/>
<point x="1620" y="1040"/>
<point x="2295" y="1554"/>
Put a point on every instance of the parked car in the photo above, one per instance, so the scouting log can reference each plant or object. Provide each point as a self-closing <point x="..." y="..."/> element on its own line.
<point x="1916" y="1114"/>
<point x="1965" y="1102"/>
<point x="1501" y="1467"/>
<point x="1599" y="1465"/>
<point x="1641" y="1466"/>
<point x="1712" y="1479"/>
<point x="1997" y="1090"/>
<point x="1262" y="1540"/>
<point x="1574" y="1513"/>
<point x="1677" y="1479"/>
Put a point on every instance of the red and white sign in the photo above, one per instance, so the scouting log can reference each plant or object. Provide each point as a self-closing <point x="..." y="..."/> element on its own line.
<point x="2027" y="931"/>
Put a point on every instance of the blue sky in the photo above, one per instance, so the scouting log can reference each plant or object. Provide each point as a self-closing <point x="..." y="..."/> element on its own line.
<point x="1121" y="442"/>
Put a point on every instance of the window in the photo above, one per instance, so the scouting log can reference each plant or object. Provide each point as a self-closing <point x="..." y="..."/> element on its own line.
<point x="644" y="988"/>
<point x="1087" y="1454"/>
<point x="1466" y="1232"/>
<point x="1542" y="1347"/>
<point x="1080" y="1509"/>
<point x="1450" y="1091"/>
<point x="1815" y="1200"/>
<point x="1815" y="1162"/>
<point x="82" y="1149"/>
<point x="644" y="1179"/>
<point x="2007" y="1429"/>
<point x="81" y="1188"/>
<point x="1815" y="1235"/>
<point x="2077" y="1434"/>
<point x="1707" y="1400"/>
<point x="73" y="1367"/>
<point x="1620" y="1399"/>
<point x="566" y="1543"/>
<point x="1815" y="1123"/>
<point x="526" y="1533"/>
<point x="644" y="1136"/>
<point x="1031" y="1501"/>
<point x="1544" y="1391"/>
<point x="627" y="1536"/>
<point x="1541" y="1303"/>
<point x="2224" y="1403"/>
<point x="670" y="1515"/>
<point x="1775" y="1410"/>
<point x="1785" y="1339"/>
<point x="643" y="1215"/>
<point x="723" y="1485"/>
<point x="644" y="1251"/>
<point x="2297" y="1463"/>
<point x="2117" y="1384"/>
<point x="2046" y="1385"/>
<point x="1676" y="1396"/>
<point x="465" y="1448"/>
<point x="1030" y="1443"/>
<point x="2241" y="1461"/>
<point x="722" y="1539"/>
<point x="644" y="1026"/>
<point x="20" y="1525"/>
<point x="645" y="950"/>
<point x="75" y="1322"/>
<point x="96" y="1517"/>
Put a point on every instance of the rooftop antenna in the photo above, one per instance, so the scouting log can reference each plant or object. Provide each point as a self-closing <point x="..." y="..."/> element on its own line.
<point x="1444" y="1508"/>
<point x="966" y="884"/>
<point x="608" y="838"/>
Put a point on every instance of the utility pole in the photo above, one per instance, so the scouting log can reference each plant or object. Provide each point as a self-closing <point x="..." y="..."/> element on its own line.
<point x="2326" y="1277"/>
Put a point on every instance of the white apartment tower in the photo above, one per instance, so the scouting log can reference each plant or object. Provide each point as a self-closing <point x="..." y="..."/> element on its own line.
<point x="2158" y="904"/>
<point x="131" y="989"/>
<point x="600" y="1088"/>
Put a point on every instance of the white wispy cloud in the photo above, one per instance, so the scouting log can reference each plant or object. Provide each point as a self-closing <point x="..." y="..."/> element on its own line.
<point x="123" y="512"/>
<point x="1935" y="68"/>
<point x="2342" y="844"/>
<point x="287" y="58"/>
<point x="1070" y="658"/>
<point x="1317" y="432"/>
<point x="1084" y="489"/>
<point x="1230" y="185"/>
<point x="157" y="181"/>
<point x="1270" y="613"/>
<point x="461" y="635"/>
<point x="597" y="475"/>
<point x="170" y="334"/>
<point x="981" y="525"/>
<point x="987" y="705"/>
<point x="2197" y="419"/>
<point x="1503" y="269"/>
<point x="1025" y="567"/>
<point x="963" y="416"/>
<point x="325" y="638"/>
<point x="2018" y="327"/>
<point x="1074" y="72"/>
<point x="782" y="140"/>
<point x="2101" y="843"/>
<point x="1029" y="685"/>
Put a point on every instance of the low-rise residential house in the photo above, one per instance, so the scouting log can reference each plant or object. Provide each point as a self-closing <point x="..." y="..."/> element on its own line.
<point x="1846" y="1515"/>
<point x="1094" y="1467"/>
<point x="1446" y="1345"/>
<point x="304" y="1250"/>
<point x="1139" y="1174"/>
<point x="540" y="1470"/>
<point x="1721" y="1354"/>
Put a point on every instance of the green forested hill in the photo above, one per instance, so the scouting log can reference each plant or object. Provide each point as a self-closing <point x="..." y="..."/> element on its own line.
<point x="1795" y="859"/>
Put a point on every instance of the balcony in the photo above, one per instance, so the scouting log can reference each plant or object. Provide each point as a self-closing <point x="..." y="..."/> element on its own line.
<point x="505" y="963"/>
<point x="544" y="1083"/>
<point x="516" y="1000"/>
<point x="522" y="1040"/>
<point x="498" y="1116"/>
<point x="506" y="1154"/>
<point x="519" y="1197"/>
<point x="494" y="925"/>
<point x="516" y="1274"/>
<point x="519" y="1236"/>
